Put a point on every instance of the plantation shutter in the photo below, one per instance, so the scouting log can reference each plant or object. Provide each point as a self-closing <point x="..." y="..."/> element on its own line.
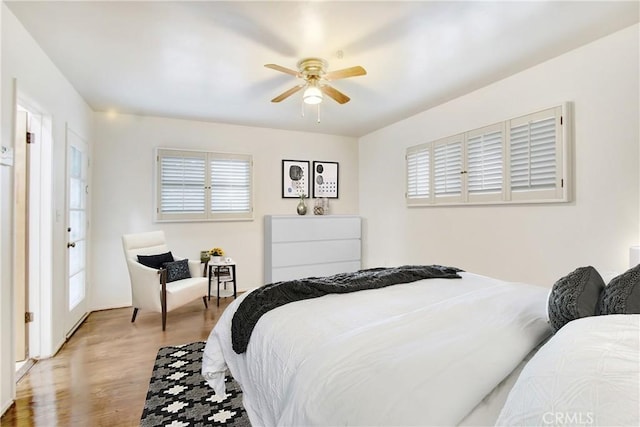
<point x="485" y="163"/>
<point x="230" y="184"/>
<point x="533" y="149"/>
<point x="193" y="185"/>
<point x="418" y="171"/>
<point x="447" y="168"/>
<point x="522" y="160"/>
<point x="182" y="184"/>
<point x="534" y="159"/>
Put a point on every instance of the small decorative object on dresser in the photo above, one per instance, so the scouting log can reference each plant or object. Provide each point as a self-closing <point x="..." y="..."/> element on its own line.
<point x="302" y="208"/>
<point x="321" y="206"/>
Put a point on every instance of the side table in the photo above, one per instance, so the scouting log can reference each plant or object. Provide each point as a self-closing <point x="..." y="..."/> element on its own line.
<point x="215" y="268"/>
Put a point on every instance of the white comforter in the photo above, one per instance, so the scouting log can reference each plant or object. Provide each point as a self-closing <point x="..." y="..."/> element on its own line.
<point x="587" y="374"/>
<point x="412" y="354"/>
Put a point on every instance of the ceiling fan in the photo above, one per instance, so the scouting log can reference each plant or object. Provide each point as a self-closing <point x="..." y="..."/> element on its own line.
<point x="314" y="73"/>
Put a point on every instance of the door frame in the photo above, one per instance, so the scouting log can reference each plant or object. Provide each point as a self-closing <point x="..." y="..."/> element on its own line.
<point x="41" y="220"/>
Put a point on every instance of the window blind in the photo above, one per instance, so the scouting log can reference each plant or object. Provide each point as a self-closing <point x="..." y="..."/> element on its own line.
<point x="522" y="160"/>
<point x="182" y="179"/>
<point x="418" y="170"/>
<point x="447" y="167"/>
<point x="533" y="155"/>
<point x="484" y="163"/>
<point x="230" y="185"/>
<point x="194" y="185"/>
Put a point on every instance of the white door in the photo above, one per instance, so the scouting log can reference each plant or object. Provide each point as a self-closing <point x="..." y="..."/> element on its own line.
<point x="21" y="230"/>
<point x="77" y="224"/>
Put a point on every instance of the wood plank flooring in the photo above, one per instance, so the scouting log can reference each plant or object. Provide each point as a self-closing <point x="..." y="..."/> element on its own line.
<point x="101" y="375"/>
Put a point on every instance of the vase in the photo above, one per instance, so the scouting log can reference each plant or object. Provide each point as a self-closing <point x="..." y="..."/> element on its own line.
<point x="217" y="259"/>
<point x="302" y="208"/>
<point x="204" y="256"/>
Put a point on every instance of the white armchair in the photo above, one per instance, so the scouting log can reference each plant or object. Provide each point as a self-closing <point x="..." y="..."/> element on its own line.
<point x="149" y="287"/>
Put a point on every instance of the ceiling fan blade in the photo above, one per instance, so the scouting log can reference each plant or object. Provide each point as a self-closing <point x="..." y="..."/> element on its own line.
<point x="287" y="94"/>
<point x="346" y="72"/>
<point x="334" y="93"/>
<point x="283" y="69"/>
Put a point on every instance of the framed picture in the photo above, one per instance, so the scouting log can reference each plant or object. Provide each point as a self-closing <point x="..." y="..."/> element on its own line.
<point x="295" y="178"/>
<point x="325" y="179"/>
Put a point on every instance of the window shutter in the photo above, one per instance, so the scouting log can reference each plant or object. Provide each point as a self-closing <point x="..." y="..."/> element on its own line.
<point x="533" y="155"/>
<point x="522" y="160"/>
<point x="230" y="185"/>
<point x="182" y="183"/>
<point x="198" y="185"/>
<point x="447" y="168"/>
<point x="485" y="162"/>
<point x="418" y="171"/>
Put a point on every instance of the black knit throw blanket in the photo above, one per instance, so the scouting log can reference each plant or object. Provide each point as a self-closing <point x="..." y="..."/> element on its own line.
<point x="275" y="295"/>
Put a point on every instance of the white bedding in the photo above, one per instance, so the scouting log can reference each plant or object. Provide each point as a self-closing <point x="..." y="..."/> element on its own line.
<point x="424" y="353"/>
<point x="587" y="374"/>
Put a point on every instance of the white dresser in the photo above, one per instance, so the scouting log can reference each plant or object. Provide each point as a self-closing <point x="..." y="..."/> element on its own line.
<point x="303" y="246"/>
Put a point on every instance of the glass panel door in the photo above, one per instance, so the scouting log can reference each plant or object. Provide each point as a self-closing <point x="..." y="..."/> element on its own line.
<point x="77" y="191"/>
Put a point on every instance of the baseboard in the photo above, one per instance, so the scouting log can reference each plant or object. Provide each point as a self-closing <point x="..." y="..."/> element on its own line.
<point x="111" y="307"/>
<point x="77" y="325"/>
<point x="56" y="349"/>
<point x="24" y="369"/>
<point x="6" y="406"/>
<point x="59" y="346"/>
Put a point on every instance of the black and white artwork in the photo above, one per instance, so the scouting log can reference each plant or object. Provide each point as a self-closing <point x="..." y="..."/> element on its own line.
<point x="325" y="179"/>
<point x="295" y="178"/>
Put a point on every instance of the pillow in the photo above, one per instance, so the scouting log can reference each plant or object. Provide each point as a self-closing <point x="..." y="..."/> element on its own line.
<point x="177" y="270"/>
<point x="622" y="295"/>
<point x="574" y="296"/>
<point x="155" y="261"/>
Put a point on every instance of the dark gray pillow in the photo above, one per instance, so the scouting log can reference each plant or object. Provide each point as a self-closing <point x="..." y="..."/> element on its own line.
<point x="622" y="294"/>
<point x="177" y="270"/>
<point x="574" y="296"/>
<point x="155" y="261"/>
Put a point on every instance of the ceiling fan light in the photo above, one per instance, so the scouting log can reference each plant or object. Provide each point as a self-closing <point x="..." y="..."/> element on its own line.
<point x="312" y="95"/>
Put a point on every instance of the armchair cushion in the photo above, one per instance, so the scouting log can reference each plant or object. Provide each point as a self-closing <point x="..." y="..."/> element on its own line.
<point x="177" y="270"/>
<point x="155" y="261"/>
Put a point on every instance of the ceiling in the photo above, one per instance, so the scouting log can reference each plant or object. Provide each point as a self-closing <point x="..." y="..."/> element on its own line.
<point x="204" y="60"/>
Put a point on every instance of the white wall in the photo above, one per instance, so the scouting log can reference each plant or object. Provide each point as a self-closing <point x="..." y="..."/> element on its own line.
<point x="529" y="243"/>
<point x="123" y="177"/>
<point x="39" y="79"/>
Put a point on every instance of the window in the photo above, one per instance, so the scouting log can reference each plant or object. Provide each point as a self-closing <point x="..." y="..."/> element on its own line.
<point x="520" y="160"/>
<point x="484" y="163"/>
<point x="535" y="154"/>
<point x="418" y="168"/>
<point x="447" y="169"/>
<point x="193" y="185"/>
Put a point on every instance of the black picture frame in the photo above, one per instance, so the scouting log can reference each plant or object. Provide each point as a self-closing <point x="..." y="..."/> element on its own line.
<point x="295" y="178"/>
<point x="326" y="177"/>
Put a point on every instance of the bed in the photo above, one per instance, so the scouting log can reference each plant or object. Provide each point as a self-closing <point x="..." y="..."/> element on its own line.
<point x="431" y="352"/>
<point x="587" y="374"/>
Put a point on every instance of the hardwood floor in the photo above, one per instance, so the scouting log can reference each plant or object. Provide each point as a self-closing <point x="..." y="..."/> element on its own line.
<point x="101" y="374"/>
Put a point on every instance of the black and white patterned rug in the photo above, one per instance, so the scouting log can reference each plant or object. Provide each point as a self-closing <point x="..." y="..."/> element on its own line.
<point x="178" y="396"/>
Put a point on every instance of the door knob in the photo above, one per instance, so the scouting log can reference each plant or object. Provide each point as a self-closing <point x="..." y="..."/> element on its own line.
<point x="71" y="245"/>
